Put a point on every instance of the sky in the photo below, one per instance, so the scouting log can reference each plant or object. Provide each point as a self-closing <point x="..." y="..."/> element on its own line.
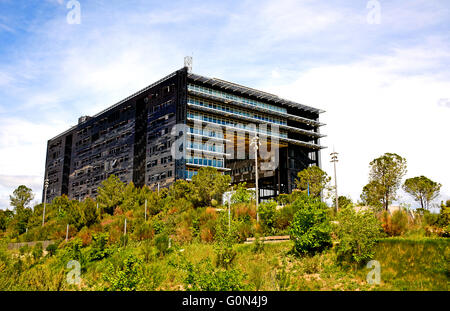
<point x="380" y="70"/>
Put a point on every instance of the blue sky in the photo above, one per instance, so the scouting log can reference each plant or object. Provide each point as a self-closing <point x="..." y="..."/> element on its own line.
<point x="385" y="87"/>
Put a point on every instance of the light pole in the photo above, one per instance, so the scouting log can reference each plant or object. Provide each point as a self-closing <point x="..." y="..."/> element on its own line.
<point x="334" y="159"/>
<point x="256" y="143"/>
<point x="45" y="199"/>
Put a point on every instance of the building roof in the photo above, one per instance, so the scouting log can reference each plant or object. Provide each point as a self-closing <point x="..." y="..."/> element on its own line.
<point x="226" y="85"/>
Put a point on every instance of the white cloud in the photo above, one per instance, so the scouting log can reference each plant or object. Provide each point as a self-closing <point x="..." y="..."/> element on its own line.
<point x="371" y="109"/>
<point x="22" y="155"/>
<point x="8" y="183"/>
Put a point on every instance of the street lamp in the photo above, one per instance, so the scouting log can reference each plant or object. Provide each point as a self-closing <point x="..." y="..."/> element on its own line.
<point x="45" y="199"/>
<point x="256" y="143"/>
<point x="334" y="159"/>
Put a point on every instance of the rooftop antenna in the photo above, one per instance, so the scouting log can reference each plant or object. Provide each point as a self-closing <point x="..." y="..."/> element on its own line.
<point x="188" y="63"/>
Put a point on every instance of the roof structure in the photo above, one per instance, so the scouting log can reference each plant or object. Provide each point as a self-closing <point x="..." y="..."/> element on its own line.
<point x="226" y="85"/>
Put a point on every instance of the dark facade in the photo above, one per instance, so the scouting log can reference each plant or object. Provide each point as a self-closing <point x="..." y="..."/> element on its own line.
<point x="178" y="124"/>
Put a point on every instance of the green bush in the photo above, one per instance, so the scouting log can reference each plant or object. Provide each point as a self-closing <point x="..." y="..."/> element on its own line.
<point x="225" y="238"/>
<point x="125" y="278"/>
<point x="399" y="222"/>
<point x="98" y="246"/>
<point x="203" y="277"/>
<point x="148" y="251"/>
<point x="311" y="227"/>
<point x="357" y="233"/>
<point x="258" y="245"/>
<point x="73" y="251"/>
<point x="267" y="212"/>
<point x="24" y="250"/>
<point x="162" y="243"/>
<point x="51" y="249"/>
<point x="37" y="251"/>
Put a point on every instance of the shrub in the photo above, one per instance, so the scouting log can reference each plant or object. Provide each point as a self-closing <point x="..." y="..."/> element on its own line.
<point x="284" y="217"/>
<point x="244" y="211"/>
<point x="98" y="247"/>
<point x="267" y="211"/>
<point x="244" y="230"/>
<point x="24" y="250"/>
<point x="282" y="277"/>
<point x="51" y="249"/>
<point x="148" y="251"/>
<point x="37" y="251"/>
<point x="225" y="238"/>
<point x="143" y="231"/>
<point x="258" y="245"/>
<point x="242" y="194"/>
<point x="225" y="255"/>
<point x="73" y="251"/>
<point x="162" y="243"/>
<point x="357" y="233"/>
<point x="311" y="228"/>
<point x="125" y="278"/>
<point x="398" y="223"/>
<point x="203" y="277"/>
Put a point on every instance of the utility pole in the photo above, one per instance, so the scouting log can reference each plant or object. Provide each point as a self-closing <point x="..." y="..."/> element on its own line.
<point x="334" y="159"/>
<point x="145" y="209"/>
<point x="67" y="232"/>
<point x="229" y="210"/>
<point x="45" y="199"/>
<point x="256" y="143"/>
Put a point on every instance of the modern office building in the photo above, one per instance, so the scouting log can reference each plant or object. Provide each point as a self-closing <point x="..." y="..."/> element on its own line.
<point x="185" y="121"/>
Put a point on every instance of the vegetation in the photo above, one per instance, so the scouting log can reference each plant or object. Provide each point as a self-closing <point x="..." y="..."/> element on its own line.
<point x="357" y="233"/>
<point x="311" y="227"/>
<point x="185" y="240"/>
<point x="385" y="177"/>
<point x="422" y="189"/>
<point x="314" y="180"/>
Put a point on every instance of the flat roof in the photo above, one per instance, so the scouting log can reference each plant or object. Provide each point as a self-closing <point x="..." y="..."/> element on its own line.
<point x="251" y="92"/>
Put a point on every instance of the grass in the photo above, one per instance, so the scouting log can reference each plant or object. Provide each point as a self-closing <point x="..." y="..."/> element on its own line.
<point x="406" y="264"/>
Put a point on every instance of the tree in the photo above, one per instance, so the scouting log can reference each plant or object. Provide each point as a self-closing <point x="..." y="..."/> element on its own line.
<point x="344" y="201"/>
<point x="371" y="195"/>
<point x="88" y="212"/>
<point x="385" y="176"/>
<point x="20" y="200"/>
<point x="267" y="212"/>
<point x="5" y="218"/>
<point x="110" y="194"/>
<point x="209" y="184"/>
<point x="21" y="197"/>
<point x="315" y="178"/>
<point x="311" y="226"/>
<point x="422" y="189"/>
<point x="357" y="233"/>
<point x="242" y="194"/>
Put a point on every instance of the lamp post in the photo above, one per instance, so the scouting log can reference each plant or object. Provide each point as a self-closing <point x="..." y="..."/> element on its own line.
<point x="334" y="159"/>
<point x="45" y="199"/>
<point x="256" y="143"/>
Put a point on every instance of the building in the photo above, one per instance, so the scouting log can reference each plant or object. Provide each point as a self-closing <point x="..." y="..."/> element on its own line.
<point x="178" y="124"/>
